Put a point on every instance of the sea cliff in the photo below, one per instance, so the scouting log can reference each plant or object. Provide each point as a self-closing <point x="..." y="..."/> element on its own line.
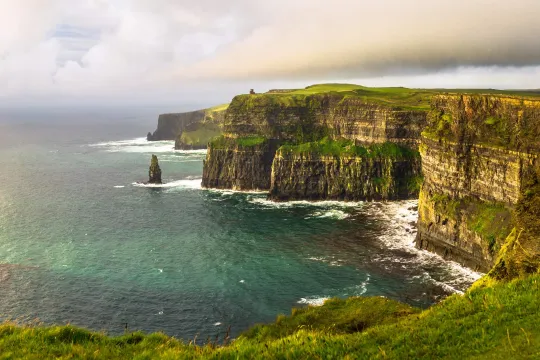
<point x="190" y="130"/>
<point x="480" y="164"/>
<point x="348" y="122"/>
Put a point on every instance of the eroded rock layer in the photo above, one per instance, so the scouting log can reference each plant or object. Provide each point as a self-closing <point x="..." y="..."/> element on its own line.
<point x="297" y="176"/>
<point x="475" y="152"/>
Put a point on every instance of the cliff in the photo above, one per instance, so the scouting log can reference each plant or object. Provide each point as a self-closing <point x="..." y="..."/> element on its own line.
<point x="313" y="116"/>
<point x="170" y="125"/>
<point x="480" y="166"/>
<point x="343" y="171"/>
<point x="190" y="130"/>
<point x="239" y="164"/>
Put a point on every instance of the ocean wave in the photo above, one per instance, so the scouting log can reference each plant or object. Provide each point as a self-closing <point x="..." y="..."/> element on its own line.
<point x="329" y="214"/>
<point x="313" y="301"/>
<point x="400" y="233"/>
<point x="303" y="203"/>
<point x="330" y="260"/>
<point x="225" y="192"/>
<point x="184" y="184"/>
<point x="141" y="145"/>
<point x="119" y="187"/>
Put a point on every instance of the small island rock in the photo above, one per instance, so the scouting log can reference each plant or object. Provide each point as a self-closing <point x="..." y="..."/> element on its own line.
<point x="154" y="173"/>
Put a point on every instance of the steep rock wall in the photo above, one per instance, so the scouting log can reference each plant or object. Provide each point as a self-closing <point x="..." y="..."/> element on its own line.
<point x="230" y="165"/>
<point x="318" y="177"/>
<point x="311" y="117"/>
<point x="475" y="152"/>
<point x="281" y="118"/>
<point x="171" y="125"/>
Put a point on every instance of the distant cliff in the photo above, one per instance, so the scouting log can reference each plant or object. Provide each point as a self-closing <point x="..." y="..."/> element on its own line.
<point x="171" y="125"/>
<point x="190" y="130"/>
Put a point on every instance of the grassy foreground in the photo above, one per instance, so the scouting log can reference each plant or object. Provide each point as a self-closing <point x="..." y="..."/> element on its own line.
<point x="493" y="320"/>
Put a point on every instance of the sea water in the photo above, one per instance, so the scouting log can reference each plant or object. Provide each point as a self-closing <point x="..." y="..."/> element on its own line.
<point x="83" y="242"/>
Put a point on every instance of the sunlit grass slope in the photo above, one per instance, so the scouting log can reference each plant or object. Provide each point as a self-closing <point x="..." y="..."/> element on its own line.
<point x="494" y="320"/>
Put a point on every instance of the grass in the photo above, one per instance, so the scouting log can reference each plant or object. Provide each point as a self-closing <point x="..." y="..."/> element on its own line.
<point x="218" y="108"/>
<point x="397" y="97"/>
<point x="202" y="136"/>
<point x="224" y="142"/>
<point x="342" y="147"/>
<point x="493" y="320"/>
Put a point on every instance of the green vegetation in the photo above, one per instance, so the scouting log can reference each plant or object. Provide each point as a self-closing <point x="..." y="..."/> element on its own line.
<point x="202" y="136"/>
<point x="397" y="97"/>
<point x="342" y="147"/>
<point x="218" y="108"/>
<point x="224" y="142"/>
<point x="493" y="320"/>
<point x="492" y="221"/>
<point x="337" y="316"/>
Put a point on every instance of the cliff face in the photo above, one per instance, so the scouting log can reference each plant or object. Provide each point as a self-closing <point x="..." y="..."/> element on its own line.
<point x="231" y="164"/>
<point x="302" y="119"/>
<point x="171" y="125"/>
<point x="308" y="175"/>
<point x="312" y="117"/>
<point x="475" y="152"/>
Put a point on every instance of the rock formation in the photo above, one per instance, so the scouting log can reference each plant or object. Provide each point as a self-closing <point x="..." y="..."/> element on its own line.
<point x="474" y="157"/>
<point x="255" y="126"/>
<point x="154" y="173"/>
<point x="190" y="130"/>
<point x="480" y="164"/>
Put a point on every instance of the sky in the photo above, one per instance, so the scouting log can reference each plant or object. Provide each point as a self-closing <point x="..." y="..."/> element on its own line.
<point x="169" y="52"/>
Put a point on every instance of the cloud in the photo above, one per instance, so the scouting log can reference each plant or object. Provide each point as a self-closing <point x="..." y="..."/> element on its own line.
<point x="152" y="50"/>
<point x="368" y="38"/>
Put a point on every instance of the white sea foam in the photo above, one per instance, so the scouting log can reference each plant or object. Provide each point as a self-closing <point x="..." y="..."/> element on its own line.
<point x="182" y="184"/>
<point x="330" y="260"/>
<point x="242" y="281"/>
<point x="329" y="214"/>
<point x="141" y="145"/>
<point x="313" y="301"/>
<point x="119" y="187"/>
<point x="225" y="192"/>
<point x="303" y="203"/>
<point x="400" y="234"/>
<point x="217" y="324"/>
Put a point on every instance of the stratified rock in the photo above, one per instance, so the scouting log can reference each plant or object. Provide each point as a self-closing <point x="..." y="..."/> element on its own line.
<point x="154" y="173"/>
<point x="476" y="153"/>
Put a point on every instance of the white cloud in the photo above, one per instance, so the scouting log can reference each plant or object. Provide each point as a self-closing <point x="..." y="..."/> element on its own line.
<point x="116" y="50"/>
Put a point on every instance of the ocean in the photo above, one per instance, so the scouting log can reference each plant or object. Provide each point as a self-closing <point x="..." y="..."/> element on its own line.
<point x="81" y="242"/>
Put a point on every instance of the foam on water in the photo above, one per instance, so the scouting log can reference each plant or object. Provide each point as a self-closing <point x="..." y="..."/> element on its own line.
<point x="141" y="145"/>
<point x="303" y="203"/>
<point x="119" y="187"/>
<point x="400" y="234"/>
<point x="194" y="184"/>
<point x="329" y="214"/>
<point x="313" y="301"/>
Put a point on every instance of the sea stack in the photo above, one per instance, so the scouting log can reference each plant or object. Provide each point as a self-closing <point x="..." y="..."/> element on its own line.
<point x="154" y="173"/>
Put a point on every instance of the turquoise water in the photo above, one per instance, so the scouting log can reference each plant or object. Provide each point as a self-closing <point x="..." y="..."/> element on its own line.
<point x="82" y="242"/>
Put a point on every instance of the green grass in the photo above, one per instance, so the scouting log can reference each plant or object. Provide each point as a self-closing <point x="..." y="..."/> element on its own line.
<point x="224" y="142"/>
<point x="202" y="136"/>
<point x="218" y="108"/>
<point x="342" y="147"/>
<point x="396" y="97"/>
<point x="493" y="320"/>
